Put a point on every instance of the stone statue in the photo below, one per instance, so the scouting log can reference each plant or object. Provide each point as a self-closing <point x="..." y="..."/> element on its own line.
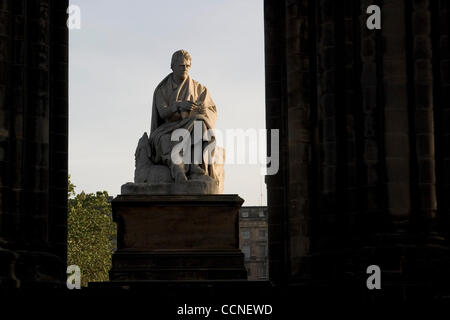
<point x="179" y="102"/>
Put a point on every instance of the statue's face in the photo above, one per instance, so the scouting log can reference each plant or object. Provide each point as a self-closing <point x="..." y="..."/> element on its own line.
<point x="181" y="68"/>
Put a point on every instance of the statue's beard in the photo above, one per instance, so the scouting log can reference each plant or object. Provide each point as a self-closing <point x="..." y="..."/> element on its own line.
<point x="182" y="76"/>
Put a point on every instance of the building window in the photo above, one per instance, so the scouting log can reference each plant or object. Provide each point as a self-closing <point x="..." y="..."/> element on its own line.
<point x="244" y="214"/>
<point x="249" y="271"/>
<point x="262" y="251"/>
<point x="262" y="234"/>
<point x="245" y="234"/>
<point x="261" y="213"/>
<point x="246" y="251"/>
<point x="263" y="271"/>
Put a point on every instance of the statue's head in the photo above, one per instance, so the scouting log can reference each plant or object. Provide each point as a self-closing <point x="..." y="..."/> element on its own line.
<point x="180" y="64"/>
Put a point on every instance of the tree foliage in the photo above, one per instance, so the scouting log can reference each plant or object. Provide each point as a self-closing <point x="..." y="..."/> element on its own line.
<point x="91" y="234"/>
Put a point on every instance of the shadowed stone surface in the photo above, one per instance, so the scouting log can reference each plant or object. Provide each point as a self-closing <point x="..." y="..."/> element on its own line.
<point x="364" y="135"/>
<point x="33" y="142"/>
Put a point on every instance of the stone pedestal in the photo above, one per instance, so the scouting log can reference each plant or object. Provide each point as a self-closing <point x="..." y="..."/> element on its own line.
<point x="177" y="237"/>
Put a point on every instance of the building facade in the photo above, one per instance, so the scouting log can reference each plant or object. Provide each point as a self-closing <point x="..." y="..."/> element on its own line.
<point x="253" y="241"/>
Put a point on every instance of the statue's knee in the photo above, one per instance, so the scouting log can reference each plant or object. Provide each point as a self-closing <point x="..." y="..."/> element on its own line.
<point x="165" y="144"/>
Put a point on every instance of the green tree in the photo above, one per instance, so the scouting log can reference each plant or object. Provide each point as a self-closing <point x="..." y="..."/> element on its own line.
<point x="91" y="234"/>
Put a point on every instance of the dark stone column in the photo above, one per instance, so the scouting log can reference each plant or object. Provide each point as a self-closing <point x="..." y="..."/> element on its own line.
<point x="364" y="176"/>
<point x="276" y="118"/>
<point x="7" y="257"/>
<point x="33" y="61"/>
<point x="298" y="61"/>
<point x="372" y="202"/>
<point x="423" y="116"/>
<point x="59" y="129"/>
<point x="327" y="111"/>
<point x="396" y="124"/>
<point x="440" y="17"/>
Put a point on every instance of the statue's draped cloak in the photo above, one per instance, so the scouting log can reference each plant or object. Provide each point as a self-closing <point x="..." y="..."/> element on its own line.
<point x="168" y="93"/>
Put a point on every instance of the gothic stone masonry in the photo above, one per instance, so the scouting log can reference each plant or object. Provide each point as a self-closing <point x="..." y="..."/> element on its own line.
<point x="33" y="142"/>
<point x="365" y="140"/>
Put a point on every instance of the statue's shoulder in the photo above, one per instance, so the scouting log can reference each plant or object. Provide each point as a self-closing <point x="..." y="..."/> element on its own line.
<point x="163" y="82"/>
<point x="200" y="87"/>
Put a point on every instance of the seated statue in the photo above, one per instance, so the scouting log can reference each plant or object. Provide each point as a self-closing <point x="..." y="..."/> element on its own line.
<point x="179" y="102"/>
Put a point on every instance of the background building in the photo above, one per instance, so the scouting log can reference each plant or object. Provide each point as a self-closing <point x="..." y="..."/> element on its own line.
<point x="253" y="241"/>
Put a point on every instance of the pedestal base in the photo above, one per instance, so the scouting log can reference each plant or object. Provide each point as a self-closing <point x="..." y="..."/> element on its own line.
<point x="178" y="265"/>
<point x="182" y="237"/>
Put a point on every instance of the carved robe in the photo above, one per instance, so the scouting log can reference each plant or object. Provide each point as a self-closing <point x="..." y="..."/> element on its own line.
<point x="166" y="94"/>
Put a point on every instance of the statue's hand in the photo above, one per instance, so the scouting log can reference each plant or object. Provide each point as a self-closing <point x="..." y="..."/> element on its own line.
<point x="201" y="109"/>
<point x="187" y="105"/>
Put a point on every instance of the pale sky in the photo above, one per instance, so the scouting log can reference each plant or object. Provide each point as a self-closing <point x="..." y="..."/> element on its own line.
<point x="121" y="53"/>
